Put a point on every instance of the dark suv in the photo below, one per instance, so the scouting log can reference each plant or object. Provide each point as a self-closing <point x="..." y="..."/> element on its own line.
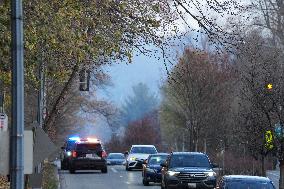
<point x="188" y="170"/>
<point x="88" y="155"/>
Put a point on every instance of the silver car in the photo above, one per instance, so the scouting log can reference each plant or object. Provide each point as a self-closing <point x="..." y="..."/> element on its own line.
<point x="137" y="155"/>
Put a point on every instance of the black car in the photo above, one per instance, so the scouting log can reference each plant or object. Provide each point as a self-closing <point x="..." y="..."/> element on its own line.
<point x="67" y="152"/>
<point x="151" y="171"/>
<point x="245" y="182"/>
<point x="88" y="155"/>
<point x="115" y="159"/>
<point x="188" y="170"/>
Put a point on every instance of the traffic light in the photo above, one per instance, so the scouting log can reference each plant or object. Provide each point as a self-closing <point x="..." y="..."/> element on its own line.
<point x="269" y="86"/>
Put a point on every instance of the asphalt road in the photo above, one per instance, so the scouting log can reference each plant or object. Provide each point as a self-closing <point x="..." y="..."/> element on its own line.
<point x="116" y="178"/>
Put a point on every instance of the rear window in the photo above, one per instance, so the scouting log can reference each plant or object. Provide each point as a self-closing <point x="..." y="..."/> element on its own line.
<point x="116" y="156"/>
<point x="70" y="145"/>
<point x="248" y="185"/>
<point x="143" y="150"/>
<point x="157" y="160"/>
<point x="189" y="160"/>
<point x="88" y="147"/>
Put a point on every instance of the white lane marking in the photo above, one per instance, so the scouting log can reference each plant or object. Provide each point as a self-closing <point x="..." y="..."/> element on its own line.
<point x="114" y="170"/>
<point x="127" y="182"/>
<point x="120" y="176"/>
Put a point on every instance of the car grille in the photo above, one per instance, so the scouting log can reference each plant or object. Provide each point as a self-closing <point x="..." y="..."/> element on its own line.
<point x="191" y="177"/>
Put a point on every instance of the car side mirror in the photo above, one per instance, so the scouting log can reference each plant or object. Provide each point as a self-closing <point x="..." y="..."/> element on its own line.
<point x="214" y="165"/>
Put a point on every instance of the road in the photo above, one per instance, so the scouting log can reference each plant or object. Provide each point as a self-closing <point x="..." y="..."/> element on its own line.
<point x="116" y="178"/>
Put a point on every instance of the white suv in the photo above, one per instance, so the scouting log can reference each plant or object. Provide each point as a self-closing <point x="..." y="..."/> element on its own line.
<point x="137" y="155"/>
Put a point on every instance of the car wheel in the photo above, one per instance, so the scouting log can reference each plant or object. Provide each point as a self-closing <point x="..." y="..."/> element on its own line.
<point x="62" y="166"/>
<point x="166" y="186"/>
<point x="127" y="168"/>
<point x="72" y="170"/>
<point x="162" y="185"/>
<point x="104" y="170"/>
<point x="145" y="182"/>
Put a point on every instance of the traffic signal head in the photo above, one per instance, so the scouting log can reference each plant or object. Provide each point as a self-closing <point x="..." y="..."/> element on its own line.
<point x="269" y="86"/>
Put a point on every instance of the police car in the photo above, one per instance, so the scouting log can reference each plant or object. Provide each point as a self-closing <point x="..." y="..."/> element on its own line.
<point x="88" y="154"/>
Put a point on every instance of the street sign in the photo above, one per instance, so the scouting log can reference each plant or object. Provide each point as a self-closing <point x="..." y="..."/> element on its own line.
<point x="269" y="140"/>
<point x="3" y="122"/>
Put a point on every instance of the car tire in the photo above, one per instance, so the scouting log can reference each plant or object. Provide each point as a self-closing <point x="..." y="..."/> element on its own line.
<point x="162" y="187"/>
<point x="166" y="187"/>
<point x="72" y="170"/>
<point x="104" y="170"/>
<point x="127" y="168"/>
<point x="64" y="165"/>
<point x="145" y="182"/>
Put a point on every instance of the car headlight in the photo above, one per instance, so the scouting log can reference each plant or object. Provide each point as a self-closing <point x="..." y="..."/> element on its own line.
<point x="150" y="170"/>
<point x="68" y="153"/>
<point x="211" y="174"/>
<point x="173" y="173"/>
<point x="132" y="158"/>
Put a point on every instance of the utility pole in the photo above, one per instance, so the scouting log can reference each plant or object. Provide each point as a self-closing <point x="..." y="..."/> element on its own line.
<point x="1" y="96"/>
<point x="17" y="130"/>
<point x="205" y="146"/>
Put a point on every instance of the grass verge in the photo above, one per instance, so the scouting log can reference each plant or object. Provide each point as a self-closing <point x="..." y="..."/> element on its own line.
<point x="50" y="180"/>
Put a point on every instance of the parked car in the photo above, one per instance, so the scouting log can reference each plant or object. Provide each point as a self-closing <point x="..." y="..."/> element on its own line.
<point x="244" y="182"/>
<point x="188" y="170"/>
<point x="151" y="171"/>
<point x="66" y="152"/>
<point x="137" y="155"/>
<point x="115" y="159"/>
<point x="88" y="154"/>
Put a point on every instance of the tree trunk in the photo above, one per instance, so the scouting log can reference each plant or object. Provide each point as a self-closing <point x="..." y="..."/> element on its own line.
<point x="262" y="166"/>
<point x="55" y="111"/>
<point x="281" y="179"/>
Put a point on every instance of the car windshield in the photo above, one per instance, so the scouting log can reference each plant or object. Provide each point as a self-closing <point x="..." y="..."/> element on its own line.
<point x="115" y="156"/>
<point x="143" y="150"/>
<point x="86" y="147"/>
<point x="157" y="160"/>
<point x="185" y="160"/>
<point x="248" y="185"/>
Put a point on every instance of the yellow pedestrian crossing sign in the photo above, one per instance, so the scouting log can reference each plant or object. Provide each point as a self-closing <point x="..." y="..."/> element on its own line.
<point x="269" y="140"/>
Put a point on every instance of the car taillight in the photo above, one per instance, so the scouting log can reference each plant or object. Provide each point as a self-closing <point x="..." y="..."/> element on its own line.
<point x="74" y="154"/>
<point x="104" y="154"/>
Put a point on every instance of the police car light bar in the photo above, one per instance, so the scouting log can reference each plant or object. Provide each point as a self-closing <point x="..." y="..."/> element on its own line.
<point x="93" y="140"/>
<point x="74" y="138"/>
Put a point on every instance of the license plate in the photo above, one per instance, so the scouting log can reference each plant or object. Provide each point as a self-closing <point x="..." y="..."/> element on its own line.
<point x="89" y="155"/>
<point x="191" y="185"/>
